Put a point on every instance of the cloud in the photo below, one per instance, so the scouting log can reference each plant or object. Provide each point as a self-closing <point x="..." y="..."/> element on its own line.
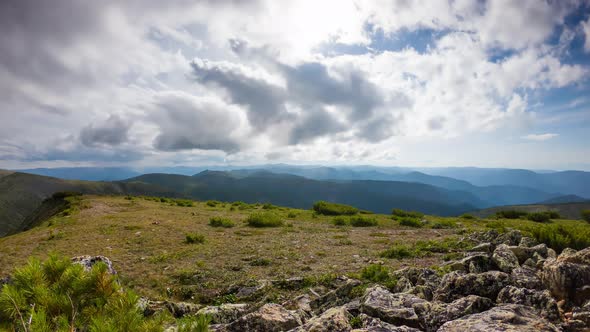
<point x="111" y="132"/>
<point x="187" y="122"/>
<point x="586" y="29"/>
<point x="540" y="137"/>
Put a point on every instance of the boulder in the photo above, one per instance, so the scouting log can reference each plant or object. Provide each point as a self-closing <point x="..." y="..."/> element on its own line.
<point x="506" y="318"/>
<point x="505" y="259"/>
<point x="332" y="320"/>
<point x="335" y="297"/>
<point x="455" y="285"/>
<point x="89" y="261"/>
<point x="396" y="309"/>
<point x="418" y="276"/>
<point x="540" y="300"/>
<point x="568" y="277"/>
<point x="434" y="314"/>
<point x="485" y="247"/>
<point x="526" y="277"/>
<point x="403" y="285"/>
<point x="511" y="238"/>
<point x="536" y="252"/>
<point x="476" y="262"/>
<point x="527" y="242"/>
<point x="371" y="324"/>
<point x="270" y="317"/>
<point x="224" y="313"/>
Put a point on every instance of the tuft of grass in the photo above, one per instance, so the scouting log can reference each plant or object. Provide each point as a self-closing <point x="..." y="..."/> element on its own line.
<point x="360" y="221"/>
<point x="198" y="323"/>
<point x="375" y="273"/>
<point x="334" y="209"/>
<point x="467" y="216"/>
<point x="264" y="219"/>
<point x="424" y="248"/>
<point x="221" y="222"/>
<point x="260" y="262"/>
<point x="340" y="221"/>
<point x="410" y="222"/>
<point x="539" y="217"/>
<point x="355" y="322"/>
<point x="398" y="251"/>
<point x="212" y="203"/>
<point x="585" y="215"/>
<point x="195" y="238"/>
<point x="410" y="214"/>
<point x="292" y="214"/>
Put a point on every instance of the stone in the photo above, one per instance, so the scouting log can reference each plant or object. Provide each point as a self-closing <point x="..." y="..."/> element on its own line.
<point x="338" y="296"/>
<point x="505" y="259"/>
<point x="89" y="261"/>
<point x="270" y="317"/>
<point x="527" y="242"/>
<point x="403" y="285"/>
<point x="511" y="238"/>
<point x="224" y="313"/>
<point x="568" y="277"/>
<point x="371" y="324"/>
<point x="249" y="292"/>
<point x="485" y="247"/>
<point x="540" y="300"/>
<point x="476" y="262"/>
<point x="434" y="314"/>
<point x="526" y="277"/>
<point x="506" y="318"/>
<point x="524" y="253"/>
<point x="396" y="309"/>
<point x="455" y="285"/>
<point x="332" y="320"/>
<point x="418" y="276"/>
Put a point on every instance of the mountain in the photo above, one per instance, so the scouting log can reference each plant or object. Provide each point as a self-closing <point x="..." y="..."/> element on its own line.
<point x="296" y="191"/>
<point x="85" y="173"/>
<point x="565" y="210"/>
<point x="566" y="182"/>
<point x="565" y="199"/>
<point x="21" y="194"/>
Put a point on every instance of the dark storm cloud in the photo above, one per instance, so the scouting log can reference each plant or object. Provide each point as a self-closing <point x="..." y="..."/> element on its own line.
<point x="314" y="124"/>
<point x="187" y="122"/>
<point x="112" y="132"/>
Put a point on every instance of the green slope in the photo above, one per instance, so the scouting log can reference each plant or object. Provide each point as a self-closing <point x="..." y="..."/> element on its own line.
<point x="565" y="210"/>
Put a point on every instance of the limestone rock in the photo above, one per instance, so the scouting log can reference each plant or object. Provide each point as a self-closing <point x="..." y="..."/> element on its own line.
<point x="396" y="309"/>
<point x="433" y="314"/>
<point x="455" y="285"/>
<point x="371" y="324"/>
<point x="526" y="277"/>
<point x="270" y="317"/>
<point x="332" y="320"/>
<point x="540" y="300"/>
<point x="568" y="277"/>
<point x="506" y="318"/>
<point x="505" y="259"/>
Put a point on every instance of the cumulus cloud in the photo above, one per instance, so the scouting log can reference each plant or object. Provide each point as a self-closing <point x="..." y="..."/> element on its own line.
<point x="586" y="29"/>
<point x="540" y="137"/>
<point x="111" y="132"/>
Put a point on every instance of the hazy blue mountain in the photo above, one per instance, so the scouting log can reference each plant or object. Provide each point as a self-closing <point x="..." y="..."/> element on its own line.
<point x="301" y="192"/>
<point x="85" y="173"/>
<point x="565" y="199"/>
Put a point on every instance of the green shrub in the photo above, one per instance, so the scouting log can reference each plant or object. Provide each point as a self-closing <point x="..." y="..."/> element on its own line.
<point x="410" y="214"/>
<point x="264" y="219"/>
<point x="467" y="216"/>
<point x="585" y="215"/>
<point x="424" y="248"/>
<point x="268" y="206"/>
<point x="212" y="203"/>
<point x="260" y="262"/>
<point x="444" y="224"/>
<point x="360" y="221"/>
<point x="195" y="238"/>
<point x="539" y="217"/>
<point x="340" y="221"/>
<point x="559" y="237"/>
<point x="58" y="295"/>
<point x="198" y="323"/>
<point x="292" y="214"/>
<point x="410" y="222"/>
<point x="184" y="202"/>
<point x="334" y="209"/>
<point x="511" y="214"/>
<point x="375" y="273"/>
<point x="221" y="222"/>
<point x="355" y="322"/>
<point x="398" y="251"/>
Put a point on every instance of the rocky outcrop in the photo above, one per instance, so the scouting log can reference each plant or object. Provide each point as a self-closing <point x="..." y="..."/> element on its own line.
<point x="540" y="300"/>
<point x="455" y="285"/>
<point x="89" y="261"/>
<point x="396" y="309"/>
<point x="434" y="314"/>
<point x="568" y="277"/>
<point x="332" y="320"/>
<point x="507" y="318"/>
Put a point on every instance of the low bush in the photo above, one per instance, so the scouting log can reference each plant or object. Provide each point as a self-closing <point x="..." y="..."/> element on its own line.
<point x="466" y="216"/>
<point x="183" y="202"/>
<point x="410" y="214"/>
<point x="340" y="221"/>
<point x="375" y="273"/>
<point x="198" y="323"/>
<point x="212" y="203"/>
<point x="292" y="214"/>
<point x="195" y="238"/>
<point x="559" y="236"/>
<point x="424" y="248"/>
<point x="444" y="224"/>
<point x="511" y="214"/>
<point x="268" y="206"/>
<point x="58" y="295"/>
<point x="585" y="215"/>
<point x="539" y="217"/>
<point x="410" y="222"/>
<point x="398" y="251"/>
<point x="221" y="222"/>
<point x="264" y="219"/>
<point x="360" y="221"/>
<point x="334" y="209"/>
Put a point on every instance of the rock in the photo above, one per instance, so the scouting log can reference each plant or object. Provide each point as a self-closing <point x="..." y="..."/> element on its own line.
<point x="224" y="313"/>
<point x="88" y="262"/>
<point x="568" y="277"/>
<point x="181" y="309"/>
<point x="540" y="300"/>
<point x="506" y="318"/>
<point x="396" y="309"/>
<point x="403" y="285"/>
<point x="291" y="283"/>
<point x="505" y="259"/>
<point x="526" y="277"/>
<point x="455" y="285"/>
<point x="418" y="276"/>
<point x="527" y="242"/>
<point x="485" y="247"/>
<point x="434" y="314"/>
<point x="568" y="252"/>
<point x="371" y="324"/>
<point x="338" y="296"/>
<point x="551" y="253"/>
<point x="270" y="317"/>
<point x="301" y="305"/>
<point x="511" y="238"/>
<point x="249" y="292"/>
<point x="332" y="320"/>
<point x="475" y="263"/>
<point x="524" y="253"/>
<point x="353" y="307"/>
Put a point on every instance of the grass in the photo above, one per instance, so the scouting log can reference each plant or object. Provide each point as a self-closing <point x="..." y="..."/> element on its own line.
<point x="424" y="248"/>
<point x="221" y="222"/>
<point x="410" y="214"/>
<point x="410" y="222"/>
<point x="360" y="221"/>
<point x="264" y="219"/>
<point x="334" y="209"/>
<point x="194" y="238"/>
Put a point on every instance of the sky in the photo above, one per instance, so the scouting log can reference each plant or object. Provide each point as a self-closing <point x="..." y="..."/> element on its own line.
<point x="430" y="83"/>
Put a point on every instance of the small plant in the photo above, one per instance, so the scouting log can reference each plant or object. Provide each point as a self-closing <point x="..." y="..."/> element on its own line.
<point x="410" y="222"/>
<point x="340" y="221"/>
<point x="292" y="214"/>
<point x="221" y="222"/>
<point x="198" y="323"/>
<point x="410" y="214"/>
<point x="334" y="209"/>
<point x="467" y="216"/>
<point x="511" y="214"/>
<point x="360" y="221"/>
<point x="585" y="215"/>
<point x="375" y="273"/>
<point x="268" y="206"/>
<point x="195" y="238"/>
<point x="260" y="262"/>
<point x="212" y="203"/>
<point x="398" y="252"/>
<point x="183" y="202"/>
<point x="444" y="224"/>
<point x="539" y="217"/>
<point x="264" y="219"/>
<point x="356" y="322"/>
